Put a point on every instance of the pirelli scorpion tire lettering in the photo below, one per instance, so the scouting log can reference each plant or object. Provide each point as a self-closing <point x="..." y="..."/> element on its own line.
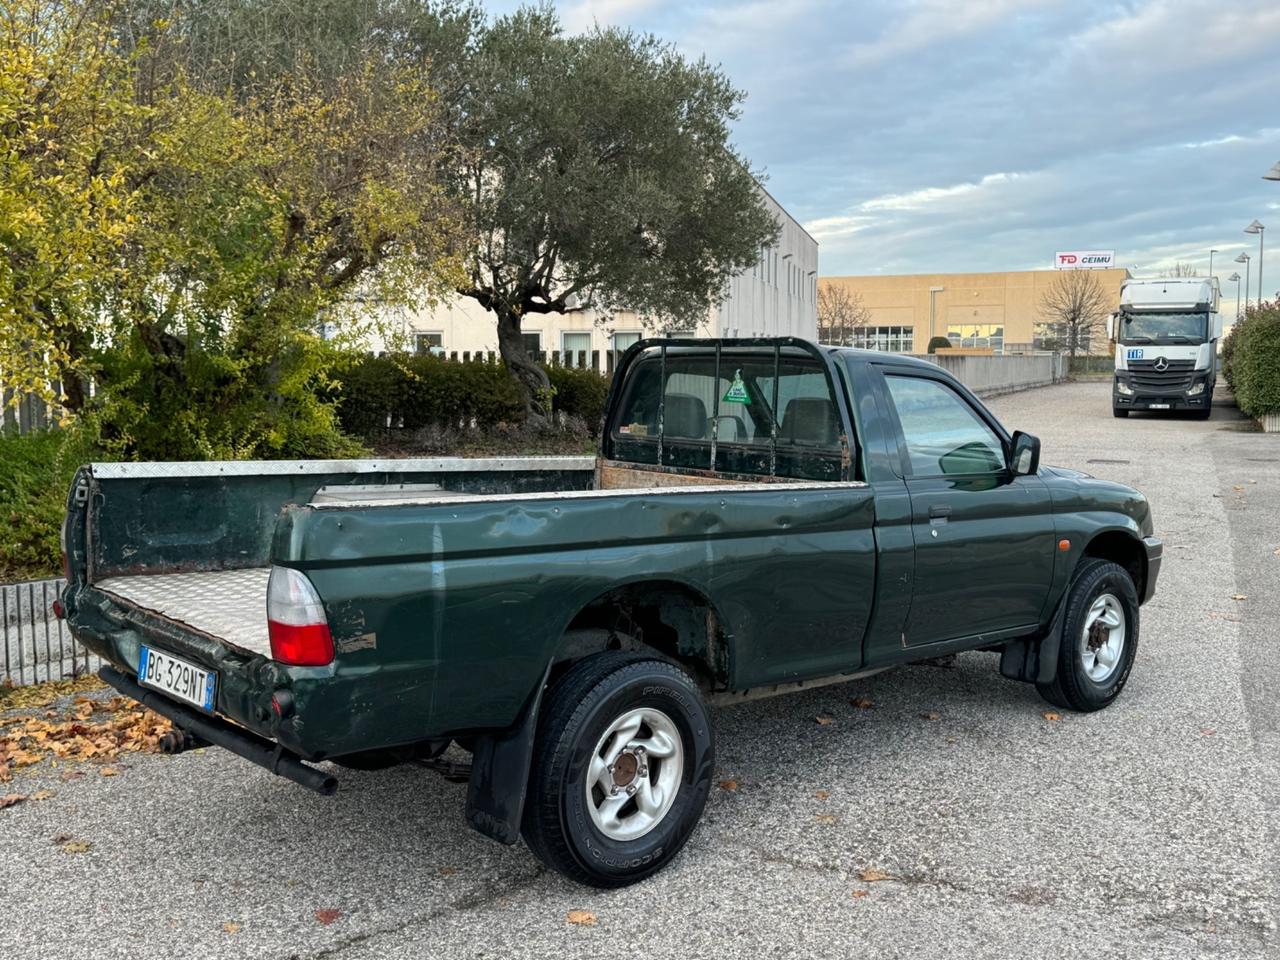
<point x="621" y="769"/>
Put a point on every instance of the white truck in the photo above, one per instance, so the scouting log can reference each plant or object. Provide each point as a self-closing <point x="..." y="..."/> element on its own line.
<point x="1166" y="333"/>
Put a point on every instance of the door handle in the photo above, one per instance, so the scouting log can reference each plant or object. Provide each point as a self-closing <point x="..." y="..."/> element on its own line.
<point x="939" y="512"/>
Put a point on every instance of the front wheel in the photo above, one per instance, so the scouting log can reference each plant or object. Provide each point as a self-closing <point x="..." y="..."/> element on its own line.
<point x="1099" y="638"/>
<point x="621" y="769"/>
<point x="1117" y="412"/>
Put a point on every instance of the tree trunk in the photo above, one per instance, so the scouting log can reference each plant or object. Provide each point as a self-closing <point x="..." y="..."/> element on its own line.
<point x="531" y="378"/>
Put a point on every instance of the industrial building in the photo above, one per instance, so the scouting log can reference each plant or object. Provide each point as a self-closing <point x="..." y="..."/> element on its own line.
<point x="775" y="297"/>
<point x="1001" y="312"/>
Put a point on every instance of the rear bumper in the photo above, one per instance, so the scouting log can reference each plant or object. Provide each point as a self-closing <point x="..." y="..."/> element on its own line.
<point x="219" y="732"/>
<point x="1154" y="548"/>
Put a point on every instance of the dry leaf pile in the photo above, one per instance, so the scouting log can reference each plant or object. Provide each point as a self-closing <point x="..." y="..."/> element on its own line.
<point x="93" y="730"/>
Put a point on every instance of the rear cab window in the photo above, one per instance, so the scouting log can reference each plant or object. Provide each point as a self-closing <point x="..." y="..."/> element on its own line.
<point x="749" y="410"/>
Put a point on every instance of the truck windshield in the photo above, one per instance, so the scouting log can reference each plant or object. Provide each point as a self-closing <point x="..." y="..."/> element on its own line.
<point x="1163" y="327"/>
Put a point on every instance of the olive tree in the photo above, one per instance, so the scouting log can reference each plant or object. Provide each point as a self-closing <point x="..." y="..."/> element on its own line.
<point x="597" y="173"/>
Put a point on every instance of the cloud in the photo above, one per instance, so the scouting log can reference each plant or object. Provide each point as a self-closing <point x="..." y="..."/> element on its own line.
<point x="931" y="21"/>
<point x="929" y="196"/>
<point x="582" y="16"/>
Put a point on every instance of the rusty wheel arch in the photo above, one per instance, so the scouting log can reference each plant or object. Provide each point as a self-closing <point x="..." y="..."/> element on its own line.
<point x="667" y="617"/>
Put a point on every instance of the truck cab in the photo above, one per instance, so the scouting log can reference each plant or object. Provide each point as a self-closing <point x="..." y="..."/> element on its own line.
<point x="1166" y="333"/>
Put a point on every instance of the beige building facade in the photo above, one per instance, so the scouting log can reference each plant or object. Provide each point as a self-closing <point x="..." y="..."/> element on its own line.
<point x="997" y="311"/>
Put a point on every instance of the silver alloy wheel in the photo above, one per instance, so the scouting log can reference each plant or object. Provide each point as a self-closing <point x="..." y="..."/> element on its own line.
<point x="1102" y="638"/>
<point x="635" y="773"/>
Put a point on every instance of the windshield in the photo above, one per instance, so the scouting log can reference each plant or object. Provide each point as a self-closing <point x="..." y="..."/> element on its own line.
<point x="1163" y="327"/>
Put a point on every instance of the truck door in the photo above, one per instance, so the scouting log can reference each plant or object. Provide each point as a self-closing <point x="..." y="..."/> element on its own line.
<point x="984" y="537"/>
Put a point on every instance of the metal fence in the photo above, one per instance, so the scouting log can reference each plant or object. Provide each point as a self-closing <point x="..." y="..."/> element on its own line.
<point x="37" y="645"/>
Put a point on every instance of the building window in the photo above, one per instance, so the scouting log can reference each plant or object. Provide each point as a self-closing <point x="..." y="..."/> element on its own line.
<point x="625" y="339"/>
<point x="577" y="349"/>
<point x="429" y="343"/>
<point x="888" y="339"/>
<point x="1058" y="336"/>
<point x="981" y="336"/>
<point x="532" y="343"/>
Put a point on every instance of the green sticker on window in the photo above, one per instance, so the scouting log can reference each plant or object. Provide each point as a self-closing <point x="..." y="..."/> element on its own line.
<point x="737" y="392"/>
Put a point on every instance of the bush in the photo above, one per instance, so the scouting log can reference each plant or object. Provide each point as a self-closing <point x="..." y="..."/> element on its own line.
<point x="413" y="392"/>
<point x="35" y="477"/>
<point x="580" y="394"/>
<point x="939" y="343"/>
<point x="1254" y="360"/>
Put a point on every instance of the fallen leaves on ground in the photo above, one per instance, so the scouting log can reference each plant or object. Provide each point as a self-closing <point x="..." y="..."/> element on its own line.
<point x="230" y="926"/>
<point x="43" y="795"/>
<point x="862" y="703"/>
<point x="38" y="695"/>
<point x="826" y="818"/>
<point x="109" y="772"/>
<point x="327" y="917"/>
<point x="1208" y="731"/>
<point x="1239" y="596"/>
<point x="1051" y="715"/>
<point x="873" y="875"/>
<point x="859" y="894"/>
<point x="822" y="794"/>
<point x="824" y="720"/>
<point x="581" y="918"/>
<point x="76" y="846"/>
<point x="448" y="871"/>
<point x="10" y="799"/>
<point x="730" y="785"/>
<point x="931" y="715"/>
<point x="97" y="730"/>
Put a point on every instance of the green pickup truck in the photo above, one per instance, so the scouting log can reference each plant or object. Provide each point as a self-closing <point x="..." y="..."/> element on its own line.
<point x="764" y="515"/>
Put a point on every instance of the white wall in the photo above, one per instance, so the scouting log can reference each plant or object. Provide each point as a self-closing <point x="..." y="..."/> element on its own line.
<point x="778" y="296"/>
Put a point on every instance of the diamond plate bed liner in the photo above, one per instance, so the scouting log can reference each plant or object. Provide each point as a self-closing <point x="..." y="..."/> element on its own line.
<point x="228" y="604"/>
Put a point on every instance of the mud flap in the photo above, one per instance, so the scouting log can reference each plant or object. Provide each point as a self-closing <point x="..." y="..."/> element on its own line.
<point x="500" y="774"/>
<point x="1035" y="659"/>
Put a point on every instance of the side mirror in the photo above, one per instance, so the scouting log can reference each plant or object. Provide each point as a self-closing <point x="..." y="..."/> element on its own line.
<point x="1217" y="326"/>
<point x="1026" y="454"/>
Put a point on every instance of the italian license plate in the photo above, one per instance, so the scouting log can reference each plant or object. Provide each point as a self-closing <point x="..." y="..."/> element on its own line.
<point x="1159" y="406"/>
<point x="174" y="676"/>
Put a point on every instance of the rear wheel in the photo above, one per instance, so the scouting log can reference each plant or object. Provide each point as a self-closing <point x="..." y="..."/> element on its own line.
<point x="1099" y="638"/>
<point x="621" y="769"/>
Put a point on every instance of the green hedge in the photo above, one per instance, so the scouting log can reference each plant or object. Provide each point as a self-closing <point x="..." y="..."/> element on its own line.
<point x="1251" y="360"/>
<point x="35" y="476"/>
<point x="414" y="391"/>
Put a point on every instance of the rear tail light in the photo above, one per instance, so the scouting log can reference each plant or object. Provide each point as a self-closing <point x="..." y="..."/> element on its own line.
<point x="296" y="621"/>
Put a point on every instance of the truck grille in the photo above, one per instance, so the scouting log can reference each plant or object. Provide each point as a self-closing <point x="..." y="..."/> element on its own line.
<point x="1142" y="373"/>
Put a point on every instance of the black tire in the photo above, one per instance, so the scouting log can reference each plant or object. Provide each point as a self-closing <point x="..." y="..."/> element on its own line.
<point x="1072" y="687"/>
<point x="576" y="713"/>
<point x="1117" y="412"/>
<point x="1206" y="413"/>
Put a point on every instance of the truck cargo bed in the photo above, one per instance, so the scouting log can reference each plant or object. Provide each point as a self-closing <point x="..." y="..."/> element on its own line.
<point x="230" y="605"/>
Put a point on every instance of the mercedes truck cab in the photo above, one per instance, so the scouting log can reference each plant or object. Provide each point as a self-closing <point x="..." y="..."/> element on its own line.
<point x="1166" y="335"/>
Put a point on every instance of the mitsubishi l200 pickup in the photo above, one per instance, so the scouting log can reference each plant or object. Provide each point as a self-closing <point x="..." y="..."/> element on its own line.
<point x="764" y="515"/>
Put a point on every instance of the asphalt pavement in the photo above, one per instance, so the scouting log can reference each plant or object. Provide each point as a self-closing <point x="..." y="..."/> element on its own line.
<point x="1145" y="830"/>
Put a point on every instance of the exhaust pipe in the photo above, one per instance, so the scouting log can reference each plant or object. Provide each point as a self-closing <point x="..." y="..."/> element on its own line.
<point x="220" y="733"/>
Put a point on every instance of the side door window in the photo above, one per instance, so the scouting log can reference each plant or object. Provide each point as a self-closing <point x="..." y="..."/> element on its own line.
<point x="944" y="435"/>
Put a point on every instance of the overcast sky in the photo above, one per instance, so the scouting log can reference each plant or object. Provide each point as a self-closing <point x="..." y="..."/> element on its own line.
<point x="947" y="135"/>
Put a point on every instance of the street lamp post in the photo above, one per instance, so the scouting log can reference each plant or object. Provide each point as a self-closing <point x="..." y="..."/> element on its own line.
<point x="1244" y="258"/>
<point x="1236" y="278"/>
<point x="933" y="306"/>
<point x="1258" y="228"/>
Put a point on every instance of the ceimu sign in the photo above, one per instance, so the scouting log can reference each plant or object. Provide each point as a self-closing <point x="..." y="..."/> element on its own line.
<point x="1085" y="260"/>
